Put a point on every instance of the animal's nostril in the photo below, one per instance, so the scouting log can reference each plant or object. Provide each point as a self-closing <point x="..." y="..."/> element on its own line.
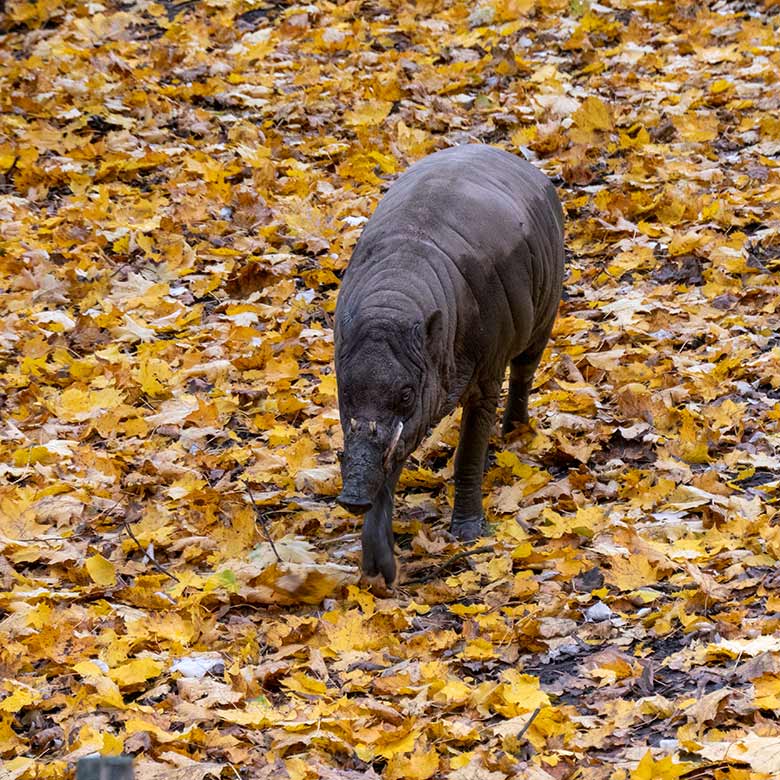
<point x="355" y="506"/>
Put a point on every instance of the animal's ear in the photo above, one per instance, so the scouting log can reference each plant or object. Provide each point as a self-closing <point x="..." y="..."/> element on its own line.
<point x="427" y="333"/>
<point x="433" y="329"/>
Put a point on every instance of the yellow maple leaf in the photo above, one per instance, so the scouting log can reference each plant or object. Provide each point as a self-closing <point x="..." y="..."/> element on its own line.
<point x="413" y="141"/>
<point x="420" y="764"/>
<point x="86" y="668"/>
<point x="107" y="690"/>
<point x="396" y="745"/>
<point x="468" y="609"/>
<point x="694" y="447"/>
<point x="371" y="112"/>
<point x="684" y="243"/>
<point x="663" y="769"/>
<point x="631" y="573"/>
<point x="325" y="392"/>
<point x="135" y="671"/>
<point x="282" y="371"/>
<point x="453" y="692"/>
<point x="557" y="525"/>
<point x="29" y="456"/>
<point x="519" y="693"/>
<point x="9" y="740"/>
<point x="101" y="571"/>
<point x="361" y="168"/>
<point x="612" y="670"/>
<point x="113" y="744"/>
<point x="76" y="405"/>
<point x="137" y="725"/>
<point x="697" y="127"/>
<point x="184" y="486"/>
<point x="153" y="375"/>
<point x="366" y="601"/>
<point x="298" y="769"/>
<point x="524" y="585"/>
<point x="386" y="742"/>
<point x="593" y="114"/>
<point x="302" y="683"/>
<point x="21" y="696"/>
<point x="7" y="160"/>
<point x="478" y="649"/>
<point x="420" y="478"/>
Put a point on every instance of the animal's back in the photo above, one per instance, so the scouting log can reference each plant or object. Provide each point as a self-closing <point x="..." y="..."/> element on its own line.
<point x="476" y="227"/>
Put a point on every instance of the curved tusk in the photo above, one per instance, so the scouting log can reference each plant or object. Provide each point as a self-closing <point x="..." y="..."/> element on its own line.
<point x="372" y="426"/>
<point x="352" y="423"/>
<point x="389" y="452"/>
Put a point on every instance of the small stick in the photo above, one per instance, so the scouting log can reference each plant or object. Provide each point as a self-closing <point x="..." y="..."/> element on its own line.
<point x="342" y="538"/>
<point x="156" y="566"/>
<point x="528" y="723"/>
<point x="446" y="565"/>
<point x="235" y="771"/>
<point x="262" y="518"/>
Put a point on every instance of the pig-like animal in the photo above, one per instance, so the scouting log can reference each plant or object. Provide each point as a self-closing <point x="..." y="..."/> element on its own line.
<point x="457" y="274"/>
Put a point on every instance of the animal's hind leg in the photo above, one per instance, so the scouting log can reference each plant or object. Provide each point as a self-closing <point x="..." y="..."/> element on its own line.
<point x="521" y="376"/>
<point x="478" y="418"/>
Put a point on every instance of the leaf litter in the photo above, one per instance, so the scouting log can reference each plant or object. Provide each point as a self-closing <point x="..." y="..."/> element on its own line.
<point x="180" y="188"/>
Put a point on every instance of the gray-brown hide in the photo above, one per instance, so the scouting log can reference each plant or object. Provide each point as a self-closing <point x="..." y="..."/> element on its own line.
<point x="457" y="274"/>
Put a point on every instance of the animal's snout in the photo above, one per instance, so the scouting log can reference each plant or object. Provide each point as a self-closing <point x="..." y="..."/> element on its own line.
<point x="361" y="466"/>
<point x="353" y="504"/>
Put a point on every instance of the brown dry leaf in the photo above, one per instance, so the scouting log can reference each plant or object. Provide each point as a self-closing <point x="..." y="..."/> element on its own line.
<point x="762" y="754"/>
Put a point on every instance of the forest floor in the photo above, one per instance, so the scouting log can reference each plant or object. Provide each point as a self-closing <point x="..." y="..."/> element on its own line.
<point x="180" y="189"/>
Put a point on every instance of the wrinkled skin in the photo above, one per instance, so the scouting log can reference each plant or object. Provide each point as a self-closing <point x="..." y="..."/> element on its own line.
<point x="457" y="274"/>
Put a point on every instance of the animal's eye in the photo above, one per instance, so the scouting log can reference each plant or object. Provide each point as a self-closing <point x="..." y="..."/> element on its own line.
<point x="407" y="395"/>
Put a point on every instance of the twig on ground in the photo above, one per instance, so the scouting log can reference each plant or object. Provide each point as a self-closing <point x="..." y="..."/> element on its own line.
<point x="442" y="567"/>
<point x="155" y="565"/>
<point x="528" y="723"/>
<point x="235" y="771"/>
<point x="263" y="522"/>
<point x="337" y="539"/>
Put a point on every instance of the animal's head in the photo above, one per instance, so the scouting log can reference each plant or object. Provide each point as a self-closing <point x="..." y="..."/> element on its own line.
<point x="389" y="390"/>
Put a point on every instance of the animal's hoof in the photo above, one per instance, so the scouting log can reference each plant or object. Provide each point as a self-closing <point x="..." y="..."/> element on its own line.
<point x="377" y="585"/>
<point x="468" y="528"/>
<point x="516" y="430"/>
<point x="380" y="563"/>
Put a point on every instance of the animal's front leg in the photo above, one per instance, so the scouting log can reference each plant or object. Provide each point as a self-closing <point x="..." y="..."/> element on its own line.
<point x="477" y="421"/>
<point x="378" y="557"/>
